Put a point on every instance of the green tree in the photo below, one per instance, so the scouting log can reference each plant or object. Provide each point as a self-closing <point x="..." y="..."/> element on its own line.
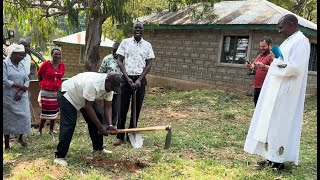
<point x="40" y="19"/>
<point x="303" y="8"/>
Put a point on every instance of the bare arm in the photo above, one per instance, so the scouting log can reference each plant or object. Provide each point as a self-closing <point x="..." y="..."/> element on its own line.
<point x="92" y="115"/>
<point x="107" y="105"/>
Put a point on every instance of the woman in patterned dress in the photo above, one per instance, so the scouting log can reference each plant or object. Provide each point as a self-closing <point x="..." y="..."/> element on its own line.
<point x="50" y="77"/>
<point x="16" y="110"/>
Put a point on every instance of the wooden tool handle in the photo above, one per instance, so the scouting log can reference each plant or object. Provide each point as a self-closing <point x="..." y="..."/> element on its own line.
<point x="154" y="128"/>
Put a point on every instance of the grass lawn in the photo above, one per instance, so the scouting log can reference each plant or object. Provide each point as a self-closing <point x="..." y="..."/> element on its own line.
<point x="209" y="128"/>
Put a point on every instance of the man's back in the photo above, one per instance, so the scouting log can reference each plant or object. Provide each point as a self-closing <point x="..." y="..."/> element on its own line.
<point x="87" y="85"/>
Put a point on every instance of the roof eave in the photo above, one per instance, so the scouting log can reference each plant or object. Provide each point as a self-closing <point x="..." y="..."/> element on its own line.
<point x="305" y="30"/>
<point x="73" y="44"/>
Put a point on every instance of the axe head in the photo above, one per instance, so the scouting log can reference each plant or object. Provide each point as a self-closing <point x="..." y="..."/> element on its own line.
<point x="168" y="138"/>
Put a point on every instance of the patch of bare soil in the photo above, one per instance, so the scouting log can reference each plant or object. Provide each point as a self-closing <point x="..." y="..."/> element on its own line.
<point x="131" y="166"/>
<point x="164" y="117"/>
<point x="189" y="154"/>
<point x="39" y="168"/>
<point x="242" y="117"/>
<point x="157" y="91"/>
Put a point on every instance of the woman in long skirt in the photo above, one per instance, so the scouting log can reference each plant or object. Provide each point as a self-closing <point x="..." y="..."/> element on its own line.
<point x="16" y="110"/>
<point x="50" y="77"/>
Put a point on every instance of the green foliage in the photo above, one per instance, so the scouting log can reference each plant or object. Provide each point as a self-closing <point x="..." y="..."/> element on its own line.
<point x="304" y="8"/>
<point x="27" y="22"/>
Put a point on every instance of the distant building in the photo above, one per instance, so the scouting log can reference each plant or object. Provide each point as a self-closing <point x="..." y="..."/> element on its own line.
<point x="211" y="46"/>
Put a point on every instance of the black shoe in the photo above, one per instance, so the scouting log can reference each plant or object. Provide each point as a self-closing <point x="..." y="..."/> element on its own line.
<point x="118" y="142"/>
<point x="277" y="166"/>
<point x="264" y="163"/>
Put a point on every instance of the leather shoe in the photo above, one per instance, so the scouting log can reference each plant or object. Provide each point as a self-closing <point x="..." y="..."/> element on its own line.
<point x="277" y="166"/>
<point x="118" y="142"/>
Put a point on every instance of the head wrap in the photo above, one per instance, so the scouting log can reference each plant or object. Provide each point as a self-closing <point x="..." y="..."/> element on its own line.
<point x="15" y="48"/>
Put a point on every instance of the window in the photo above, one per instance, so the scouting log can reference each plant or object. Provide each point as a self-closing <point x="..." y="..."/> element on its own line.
<point x="313" y="58"/>
<point x="234" y="49"/>
<point x="82" y="52"/>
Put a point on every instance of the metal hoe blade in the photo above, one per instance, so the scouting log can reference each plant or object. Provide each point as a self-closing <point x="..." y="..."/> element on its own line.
<point x="136" y="140"/>
<point x="168" y="138"/>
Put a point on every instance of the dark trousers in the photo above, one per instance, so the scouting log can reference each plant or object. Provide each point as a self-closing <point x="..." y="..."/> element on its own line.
<point x="115" y="108"/>
<point x="68" y="123"/>
<point x="256" y="94"/>
<point x="126" y="94"/>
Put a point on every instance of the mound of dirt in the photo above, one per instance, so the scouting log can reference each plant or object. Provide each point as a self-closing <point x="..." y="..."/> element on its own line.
<point x="132" y="166"/>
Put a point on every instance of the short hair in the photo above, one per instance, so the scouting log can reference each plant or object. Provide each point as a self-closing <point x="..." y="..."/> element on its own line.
<point x="137" y="22"/>
<point x="55" y="49"/>
<point x="115" y="45"/>
<point x="267" y="39"/>
<point x="24" y="41"/>
<point x="290" y="18"/>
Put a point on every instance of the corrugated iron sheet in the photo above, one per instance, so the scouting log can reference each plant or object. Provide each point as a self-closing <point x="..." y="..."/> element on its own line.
<point x="79" y="38"/>
<point x="228" y="13"/>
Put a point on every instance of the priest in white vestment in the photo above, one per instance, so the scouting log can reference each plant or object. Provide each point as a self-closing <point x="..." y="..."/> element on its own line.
<point x="275" y="129"/>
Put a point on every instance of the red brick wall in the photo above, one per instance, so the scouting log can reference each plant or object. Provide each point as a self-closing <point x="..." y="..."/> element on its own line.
<point x="71" y="58"/>
<point x="194" y="55"/>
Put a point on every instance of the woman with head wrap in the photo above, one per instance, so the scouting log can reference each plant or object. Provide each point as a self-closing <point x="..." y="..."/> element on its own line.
<point x="16" y="110"/>
<point x="50" y="79"/>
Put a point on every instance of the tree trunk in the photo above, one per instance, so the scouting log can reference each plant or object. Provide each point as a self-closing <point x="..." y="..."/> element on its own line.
<point x="95" y="20"/>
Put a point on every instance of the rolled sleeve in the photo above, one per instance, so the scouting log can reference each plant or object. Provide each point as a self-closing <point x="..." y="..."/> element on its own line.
<point x="108" y="96"/>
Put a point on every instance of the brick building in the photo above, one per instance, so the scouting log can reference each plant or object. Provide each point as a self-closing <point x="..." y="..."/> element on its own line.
<point x="196" y="48"/>
<point x="73" y="49"/>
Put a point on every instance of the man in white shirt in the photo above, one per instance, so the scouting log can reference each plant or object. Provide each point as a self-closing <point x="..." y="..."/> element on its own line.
<point x="276" y="125"/>
<point x="79" y="93"/>
<point x="135" y="56"/>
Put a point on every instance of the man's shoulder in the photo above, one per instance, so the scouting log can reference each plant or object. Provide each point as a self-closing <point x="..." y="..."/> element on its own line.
<point x="146" y="42"/>
<point x="107" y="57"/>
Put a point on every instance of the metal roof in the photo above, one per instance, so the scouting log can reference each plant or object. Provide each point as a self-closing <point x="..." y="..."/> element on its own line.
<point x="249" y="12"/>
<point x="79" y="39"/>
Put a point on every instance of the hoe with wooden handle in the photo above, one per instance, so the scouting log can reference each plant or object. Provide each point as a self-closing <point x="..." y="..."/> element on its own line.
<point x="154" y="128"/>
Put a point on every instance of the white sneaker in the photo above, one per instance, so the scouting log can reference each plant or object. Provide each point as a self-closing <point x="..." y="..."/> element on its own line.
<point x="106" y="151"/>
<point x="60" y="161"/>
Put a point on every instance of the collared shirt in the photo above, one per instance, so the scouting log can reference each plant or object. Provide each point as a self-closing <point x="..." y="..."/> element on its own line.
<point x="109" y="64"/>
<point x="135" y="55"/>
<point x="26" y="61"/>
<point x="86" y="86"/>
<point x="260" y="71"/>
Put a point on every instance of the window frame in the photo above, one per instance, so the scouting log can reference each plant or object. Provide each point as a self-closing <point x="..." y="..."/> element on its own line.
<point x="219" y="63"/>
<point x="309" y="71"/>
